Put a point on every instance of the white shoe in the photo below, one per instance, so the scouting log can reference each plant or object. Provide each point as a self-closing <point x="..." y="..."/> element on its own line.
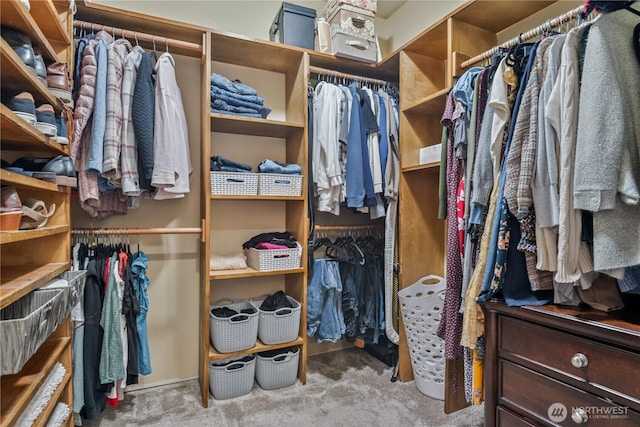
<point x="26" y="4"/>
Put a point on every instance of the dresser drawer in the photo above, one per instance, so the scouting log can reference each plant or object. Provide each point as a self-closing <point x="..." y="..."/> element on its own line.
<point x="506" y="418"/>
<point x="540" y="397"/>
<point x="606" y="367"/>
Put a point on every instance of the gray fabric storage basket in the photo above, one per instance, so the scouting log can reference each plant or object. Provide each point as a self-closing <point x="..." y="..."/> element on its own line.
<point x="232" y="380"/>
<point x="279" y="326"/>
<point x="74" y="289"/>
<point x="228" y="334"/>
<point x="280" y="370"/>
<point x="26" y="324"/>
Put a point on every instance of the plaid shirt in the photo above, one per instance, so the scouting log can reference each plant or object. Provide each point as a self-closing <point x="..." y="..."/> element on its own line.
<point x="118" y="50"/>
<point x="129" y="154"/>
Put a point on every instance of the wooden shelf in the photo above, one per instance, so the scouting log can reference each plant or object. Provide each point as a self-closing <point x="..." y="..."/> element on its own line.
<point x="18" y="281"/>
<point x="259" y="347"/>
<point x="241" y="197"/>
<point x="20" y="135"/>
<point x="432" y="42"/>
<point x="227" y="123"/>
<point x="249" y="272"/>
<point x="43" y="418"/>
<point x="17" y="77"/>
<point x="432" y="105"/>
<point x="434" y="165"/>
<point x="19" y="389"/>
<point x="22" y="235"/>
<point x="254" y="53"/>
<point x="27" y="182"/>
<point x="14" y="15"/>
<point x="46" y="15"/>
<point x="496" y="15"/>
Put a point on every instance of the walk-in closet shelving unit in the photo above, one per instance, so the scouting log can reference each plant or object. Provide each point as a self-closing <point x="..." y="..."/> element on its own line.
<point x="279" y="74"/>
<point x="429" y="65"/>
<point x="30" y="258"/>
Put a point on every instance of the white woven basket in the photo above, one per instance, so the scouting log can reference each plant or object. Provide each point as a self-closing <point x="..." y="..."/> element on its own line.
<point x="235" y="333"/>
<point x="421" y="306"/>
<point x="271" y="184"/>
<point x="234" y="183"/>
<point x="274" y="259"/>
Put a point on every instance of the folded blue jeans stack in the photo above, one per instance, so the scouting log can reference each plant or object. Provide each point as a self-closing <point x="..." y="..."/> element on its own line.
<point x="220" y="163"/>
<point x="271" y="166"/>
<point x="235" y="97"/>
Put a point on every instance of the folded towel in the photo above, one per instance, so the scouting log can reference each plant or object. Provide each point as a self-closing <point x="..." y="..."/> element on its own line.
<point x="228" y="262"/>
<point x="235" y="86"/>
<point x="59" y="416"/>
<point x="42" y="397"/>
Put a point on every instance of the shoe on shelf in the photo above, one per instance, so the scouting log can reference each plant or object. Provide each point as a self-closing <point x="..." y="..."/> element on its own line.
<point x="21" y="44"/>
<point x="23" y="106"/>
<point x="26" y="4"/>
<point x="59" y="82"/>
<point x="62" y="167"/>
<point x="46" y="120"/>
<point x="41" y="69"/>
<point x="10" y="208"/>
<point x="35" y="214"/>
<point x="61" y="130"/>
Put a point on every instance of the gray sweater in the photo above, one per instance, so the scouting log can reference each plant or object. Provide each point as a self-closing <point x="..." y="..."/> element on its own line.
<point x="607" y="162"/>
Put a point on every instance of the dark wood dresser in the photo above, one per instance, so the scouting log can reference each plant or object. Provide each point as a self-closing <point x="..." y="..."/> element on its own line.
<point x="553" y="366"/>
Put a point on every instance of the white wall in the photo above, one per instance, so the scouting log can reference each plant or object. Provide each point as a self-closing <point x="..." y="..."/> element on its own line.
<point x="253" y="18"/>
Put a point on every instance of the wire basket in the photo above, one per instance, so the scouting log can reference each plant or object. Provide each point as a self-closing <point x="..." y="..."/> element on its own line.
<point x="26" y="324"/>
<point x="272" y="184"/>
<point x="274" y="259"/>
<point x="279" y="326"/>
<point x="421" y="305"/>
<point x="277" y="370"/>
<point x="233" y="379"/>
<point x="234" y="183"/>
<point x="235" y="333"/>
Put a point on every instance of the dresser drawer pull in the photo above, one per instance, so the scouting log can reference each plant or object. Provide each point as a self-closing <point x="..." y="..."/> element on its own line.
<point x="579" y="416"/>
<point x="579" y="360"/>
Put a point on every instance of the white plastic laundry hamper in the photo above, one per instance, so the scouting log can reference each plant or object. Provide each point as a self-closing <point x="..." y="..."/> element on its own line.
<point x="421" y="306"/>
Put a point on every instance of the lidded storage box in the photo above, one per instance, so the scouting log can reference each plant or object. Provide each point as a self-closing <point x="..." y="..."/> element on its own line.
<point x="352" y="21"/>
<point x="370" y="5"/>
<point x="26" y="324"/>
<point x="294" y="25"/>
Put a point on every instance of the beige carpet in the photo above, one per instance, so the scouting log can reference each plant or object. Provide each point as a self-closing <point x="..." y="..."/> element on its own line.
<point x="344" y="388"/>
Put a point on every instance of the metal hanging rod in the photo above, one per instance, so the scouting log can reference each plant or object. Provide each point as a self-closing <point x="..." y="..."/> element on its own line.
<point x="325" y="71"/>
<point x="137" y="36"/>
<point x="533" y="33"/>
<point x="348" y="227"/>
<point x="132" y="231"/>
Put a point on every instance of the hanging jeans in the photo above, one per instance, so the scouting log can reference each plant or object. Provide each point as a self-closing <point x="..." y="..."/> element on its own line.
<point x="325" y="320"/>
<point x="351" y="275"/>
<point x="140" y="284"/>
